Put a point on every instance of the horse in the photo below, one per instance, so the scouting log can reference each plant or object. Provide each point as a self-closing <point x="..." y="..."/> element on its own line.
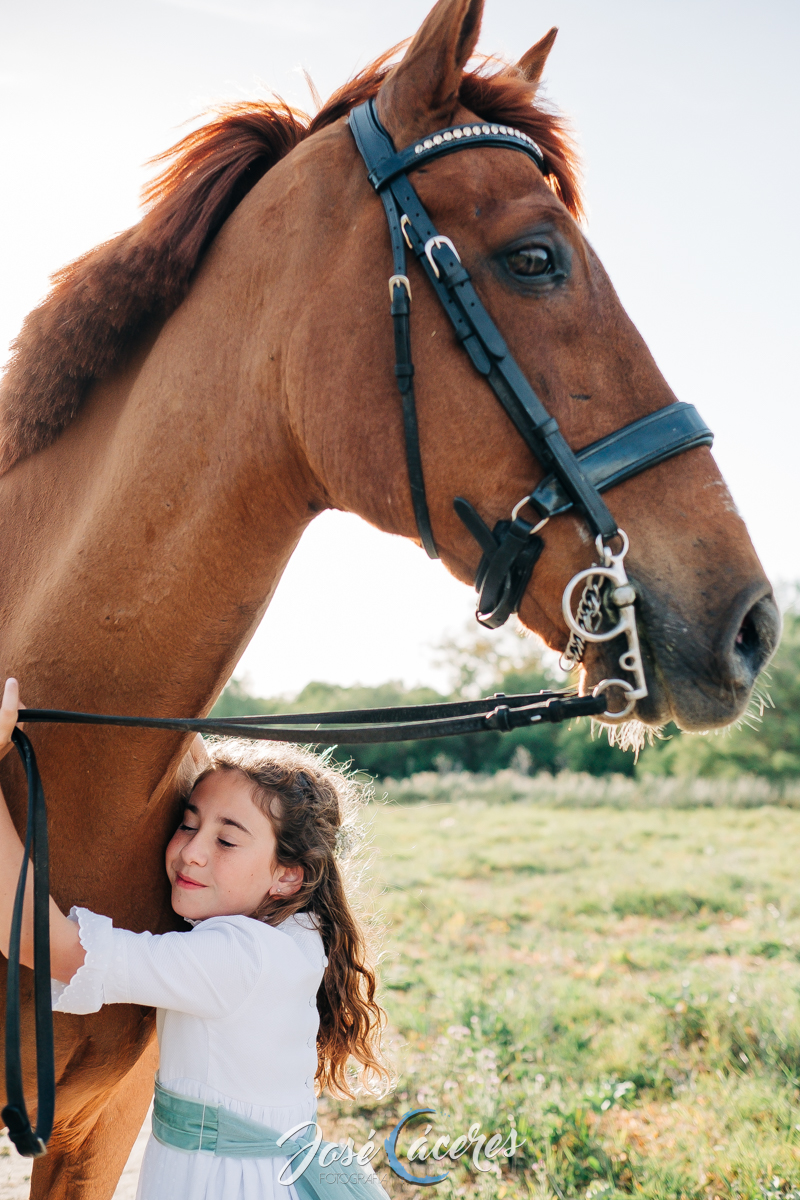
<point x="194" y="392"/>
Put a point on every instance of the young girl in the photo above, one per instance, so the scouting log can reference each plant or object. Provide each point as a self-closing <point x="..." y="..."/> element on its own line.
<point x="267" y="993"/>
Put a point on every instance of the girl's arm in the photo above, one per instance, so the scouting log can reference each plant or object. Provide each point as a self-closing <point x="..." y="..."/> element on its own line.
<point x="66" y="951"/>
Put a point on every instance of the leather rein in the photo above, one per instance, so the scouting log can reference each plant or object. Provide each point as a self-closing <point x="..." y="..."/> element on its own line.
<point x="510" y="551"/>
<point x="355" y="726"/>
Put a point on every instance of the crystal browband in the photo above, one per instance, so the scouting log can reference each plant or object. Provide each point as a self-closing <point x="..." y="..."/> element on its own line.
<point x="444" y="141"/>
<point x="465" y="131"/>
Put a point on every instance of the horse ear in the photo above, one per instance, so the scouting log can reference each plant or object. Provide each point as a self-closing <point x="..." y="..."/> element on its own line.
<point x="421" y="93"/>
<point x="532" y="62"/>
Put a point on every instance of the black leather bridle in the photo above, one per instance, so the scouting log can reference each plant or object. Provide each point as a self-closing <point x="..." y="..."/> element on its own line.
<point x="511" y="549"/>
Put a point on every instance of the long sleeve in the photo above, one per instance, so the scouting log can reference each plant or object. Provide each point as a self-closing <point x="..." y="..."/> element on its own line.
<point x="207" y="972"/>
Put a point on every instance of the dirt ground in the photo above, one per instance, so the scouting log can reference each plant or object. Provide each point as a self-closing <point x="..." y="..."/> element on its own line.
<point x="15" y="1172"/>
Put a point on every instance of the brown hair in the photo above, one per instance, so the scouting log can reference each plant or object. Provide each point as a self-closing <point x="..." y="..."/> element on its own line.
<point x="314" y="810"/>
<point x="101" y="303"/>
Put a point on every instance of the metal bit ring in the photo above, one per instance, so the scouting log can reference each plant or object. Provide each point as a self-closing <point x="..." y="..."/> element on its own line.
<point x="625" y="687"/>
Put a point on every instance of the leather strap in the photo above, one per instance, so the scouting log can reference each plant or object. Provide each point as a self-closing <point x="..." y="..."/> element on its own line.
<point x="32" y="1143"/>
<point x="628" y="451"/>
<point x="455" y="137"/>
<point x="502" y="577"/>
<point x="355" y="726"/>
<point x="404" y="373"/>
<point x="400" y="295"/>
<point x="510" y="552"/>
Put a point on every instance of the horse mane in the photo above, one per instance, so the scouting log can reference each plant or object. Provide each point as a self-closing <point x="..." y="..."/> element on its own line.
<point x="103" y="301"/>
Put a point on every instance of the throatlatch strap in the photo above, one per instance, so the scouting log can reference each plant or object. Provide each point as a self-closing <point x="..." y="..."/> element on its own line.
<point x="400" y="291"/>
<point x="400" y="296"/>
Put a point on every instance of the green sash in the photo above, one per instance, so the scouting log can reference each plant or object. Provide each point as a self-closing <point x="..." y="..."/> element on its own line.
<point x="190" y="1125"/>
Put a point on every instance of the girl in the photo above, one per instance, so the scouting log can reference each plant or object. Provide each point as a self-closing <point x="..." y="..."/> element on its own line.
<point x="267" y="994"/>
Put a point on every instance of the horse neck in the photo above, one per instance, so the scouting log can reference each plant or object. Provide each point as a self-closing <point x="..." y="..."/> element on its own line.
<point x="142" y="548"/>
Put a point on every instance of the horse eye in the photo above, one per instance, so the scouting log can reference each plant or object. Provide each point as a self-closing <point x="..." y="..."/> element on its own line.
<point x="530" y="261"/>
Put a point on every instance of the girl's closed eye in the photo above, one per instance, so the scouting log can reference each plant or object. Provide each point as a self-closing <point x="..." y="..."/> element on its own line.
<point x="228" y="845"/>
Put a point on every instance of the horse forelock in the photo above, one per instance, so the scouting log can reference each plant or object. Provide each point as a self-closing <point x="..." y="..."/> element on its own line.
<point x="101" y="303"/>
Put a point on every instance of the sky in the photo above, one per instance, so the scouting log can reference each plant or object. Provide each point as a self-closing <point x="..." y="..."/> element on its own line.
<point x="686" y="112"/>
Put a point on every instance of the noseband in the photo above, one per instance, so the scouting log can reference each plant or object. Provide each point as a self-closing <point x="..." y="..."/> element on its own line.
<point x="512" y="547"/>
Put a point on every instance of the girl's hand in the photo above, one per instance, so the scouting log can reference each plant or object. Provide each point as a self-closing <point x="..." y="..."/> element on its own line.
<point x="199" y="753"/>
<point x="9" y="711"/>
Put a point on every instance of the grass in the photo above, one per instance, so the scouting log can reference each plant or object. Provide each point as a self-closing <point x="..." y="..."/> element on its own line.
<point x="620" y="984"/>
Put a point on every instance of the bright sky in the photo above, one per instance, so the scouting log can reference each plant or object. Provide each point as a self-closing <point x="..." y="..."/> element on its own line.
<point x="687" y="113"/>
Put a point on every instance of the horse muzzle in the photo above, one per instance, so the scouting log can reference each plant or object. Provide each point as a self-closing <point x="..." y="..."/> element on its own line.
<point x="699" y="677"/>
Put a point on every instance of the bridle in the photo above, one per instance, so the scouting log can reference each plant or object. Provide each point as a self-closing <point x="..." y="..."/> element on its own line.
<point x="511" y="549"/>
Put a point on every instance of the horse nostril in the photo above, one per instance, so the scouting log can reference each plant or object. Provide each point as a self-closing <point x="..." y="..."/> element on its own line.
<point x="758" y="634"/>
<point x="747" y="637"/>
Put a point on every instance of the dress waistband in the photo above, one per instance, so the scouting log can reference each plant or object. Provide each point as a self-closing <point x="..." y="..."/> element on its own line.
<point x="192" y="1126"/>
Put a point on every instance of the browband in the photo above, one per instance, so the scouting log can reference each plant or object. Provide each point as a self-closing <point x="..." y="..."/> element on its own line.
<point x="457" y="137"/>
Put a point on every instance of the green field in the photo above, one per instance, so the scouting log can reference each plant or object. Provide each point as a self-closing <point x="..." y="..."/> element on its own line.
<point x="622" y="984"/>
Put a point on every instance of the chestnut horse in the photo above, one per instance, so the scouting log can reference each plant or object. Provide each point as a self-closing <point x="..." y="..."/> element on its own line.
<point x="195" y="391"/>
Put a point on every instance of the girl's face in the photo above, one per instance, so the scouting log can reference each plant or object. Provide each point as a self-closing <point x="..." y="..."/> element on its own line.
<point x="221" y="860"/>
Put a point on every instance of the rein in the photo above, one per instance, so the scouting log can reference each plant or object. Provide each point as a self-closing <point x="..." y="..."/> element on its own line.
<point x="354" y="726"/>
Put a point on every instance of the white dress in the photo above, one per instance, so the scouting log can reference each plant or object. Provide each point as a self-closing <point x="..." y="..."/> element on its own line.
<point x="237" y="1025"/>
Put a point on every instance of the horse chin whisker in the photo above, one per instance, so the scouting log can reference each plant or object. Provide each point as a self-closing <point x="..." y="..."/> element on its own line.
<point x="628" y="735"/>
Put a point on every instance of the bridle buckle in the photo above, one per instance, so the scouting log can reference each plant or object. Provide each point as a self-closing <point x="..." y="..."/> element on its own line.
<point x="433" y="244"/>
<point x="399" y="281"/>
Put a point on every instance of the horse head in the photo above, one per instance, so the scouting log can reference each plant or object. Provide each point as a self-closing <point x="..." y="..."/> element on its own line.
<point x="707" y="620"/>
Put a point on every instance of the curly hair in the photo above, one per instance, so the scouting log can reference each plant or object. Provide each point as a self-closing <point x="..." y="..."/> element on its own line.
<point x="313" y="810"/>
